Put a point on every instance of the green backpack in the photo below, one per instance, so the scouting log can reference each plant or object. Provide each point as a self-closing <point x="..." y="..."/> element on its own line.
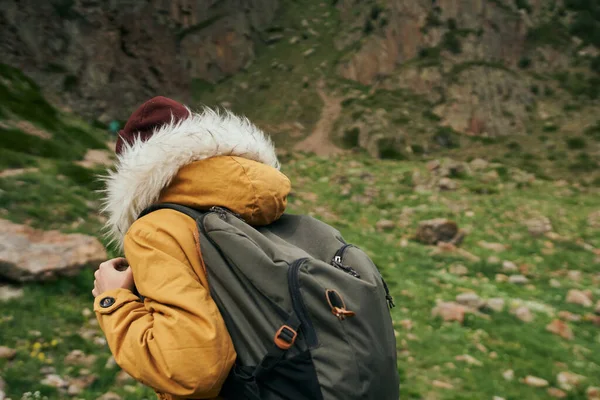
<point x="307" y="313"/>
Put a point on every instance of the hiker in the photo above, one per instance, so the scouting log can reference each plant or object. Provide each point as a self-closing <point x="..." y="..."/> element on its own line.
<point x="156" y="305"/>
<point x="176" y="341"/>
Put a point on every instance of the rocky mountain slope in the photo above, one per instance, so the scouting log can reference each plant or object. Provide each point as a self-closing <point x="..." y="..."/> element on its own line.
<point x="103" y="58"/>
<point x="516" y="81"/>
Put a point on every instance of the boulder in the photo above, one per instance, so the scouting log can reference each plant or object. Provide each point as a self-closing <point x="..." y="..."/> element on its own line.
<point x="575" y="296"/>
<point x="439" y="230"/>
<point x="28" y="254"/>
<point x="538" y="226"/>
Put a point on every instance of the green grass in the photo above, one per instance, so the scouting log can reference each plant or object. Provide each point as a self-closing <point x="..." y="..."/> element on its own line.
<point x="22" y="100"/>
<point x="416" y="278"/>
<point x="56" y="198"/>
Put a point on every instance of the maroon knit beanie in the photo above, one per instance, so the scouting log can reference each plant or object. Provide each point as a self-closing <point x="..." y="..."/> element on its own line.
<point x="149" y="117"/>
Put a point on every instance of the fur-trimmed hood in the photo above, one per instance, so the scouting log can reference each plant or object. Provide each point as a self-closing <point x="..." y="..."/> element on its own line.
<point x="145" y="168"/>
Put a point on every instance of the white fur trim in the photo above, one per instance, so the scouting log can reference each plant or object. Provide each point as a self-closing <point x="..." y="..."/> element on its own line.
<point x="146" y="167"/>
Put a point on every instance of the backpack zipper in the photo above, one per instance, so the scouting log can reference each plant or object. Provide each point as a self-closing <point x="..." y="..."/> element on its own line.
<point x="338" y="263"/>
<point x="388" y="296"/>
<point x="298" y="303"/>
<point x="222" y="212"/>
<point x="338" y="258"/>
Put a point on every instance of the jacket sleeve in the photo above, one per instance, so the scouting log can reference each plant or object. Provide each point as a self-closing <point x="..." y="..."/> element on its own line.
<point x="175" y="341"/>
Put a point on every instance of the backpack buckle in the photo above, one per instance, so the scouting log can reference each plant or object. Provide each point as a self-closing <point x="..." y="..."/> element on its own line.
<point x="342" y="313"/>
<point x="285" y="337"/>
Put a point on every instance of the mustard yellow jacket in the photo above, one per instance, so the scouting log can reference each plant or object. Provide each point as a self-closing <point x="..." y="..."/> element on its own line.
<point x="175" y="341"/>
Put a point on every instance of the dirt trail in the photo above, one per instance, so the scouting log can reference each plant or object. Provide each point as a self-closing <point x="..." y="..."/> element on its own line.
<point x="319" y="142"/>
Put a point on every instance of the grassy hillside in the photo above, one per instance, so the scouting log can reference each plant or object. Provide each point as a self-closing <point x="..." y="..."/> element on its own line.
<point x="355" y="193"/>
<point x="44" y="148"/>
<point x="297" y="56"/>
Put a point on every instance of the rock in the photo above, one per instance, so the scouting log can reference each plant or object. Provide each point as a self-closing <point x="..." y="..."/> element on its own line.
<point x="489" y="177"/>
<point x="556" y="393"/>
<point x="568" y="380"/>
<point x="7" y="353"/>
<point x="574" y="275"/>
<point x="109" y="396"/>
<point x="28" y="254"/>
<point x="110" y="363"/>
<point x="501" y="278"/>
<point x="274" y="38"/>
<point x="538" y="226"/>
<point x="78" y="385"/>
<point x="523" y="313"/>
<point x="497" y="247"/>
<point x="458" y="270"/>
<point x="554" y="283"/>
<point x="471" y="300"/>
<point x="94" y="158"/>
<point x="129" y="389"/>
<point x="496" y="304"/>
<point x="493" y="260"/>
<point x="450" y="311"/>
<point x="10" y="292"/>
<point x="498" y="398"/>
<point x="518" y="279"/>
<point x="442" y="385"/>
<point x="308" y="52"/>
<point x="575" y="296"/>
<point x="78" y="357"/>
<point x="568" y="316"/>
<point x="437" y="230"/>
<point x="86" y="312"/>
<point x="509" y="266"/>
<point x="447" y="184"/>
<point x="534" y="381"/>
<point x="433" y="165"/>
<point x="469" y="360"/>
<point x="406" y="324"/>
<point x="385" y="225"/>
<point x="48" y="370"/>
<point x="508" y="375"/>
<point x="593" y="219"/>
<point x="123" y="377"/>
<point x="560" y="328"/>
<point x="449" y="248"/>
<point x="479" y="163"/>
<point x="82" y="80"/>
<point x="54" y="381"/>
<point x="593" y="393"/>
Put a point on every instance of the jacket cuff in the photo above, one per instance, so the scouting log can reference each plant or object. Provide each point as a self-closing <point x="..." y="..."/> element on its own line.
<point x="111" y="300"/>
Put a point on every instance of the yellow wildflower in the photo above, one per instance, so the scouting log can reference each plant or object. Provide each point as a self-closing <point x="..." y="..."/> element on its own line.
<point x="54" y="342"/>
<point x="37" y="346"/>
<point x="41" y="357"/>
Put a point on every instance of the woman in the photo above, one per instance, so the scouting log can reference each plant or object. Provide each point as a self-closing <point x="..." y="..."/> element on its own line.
<point x="175" y="340"/>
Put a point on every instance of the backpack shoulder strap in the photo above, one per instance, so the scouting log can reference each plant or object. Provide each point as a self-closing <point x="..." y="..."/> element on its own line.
<point x="190" y="212"/>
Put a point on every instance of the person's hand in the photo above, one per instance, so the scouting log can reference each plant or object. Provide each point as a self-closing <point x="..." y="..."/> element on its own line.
<point x="112" y="274"/>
